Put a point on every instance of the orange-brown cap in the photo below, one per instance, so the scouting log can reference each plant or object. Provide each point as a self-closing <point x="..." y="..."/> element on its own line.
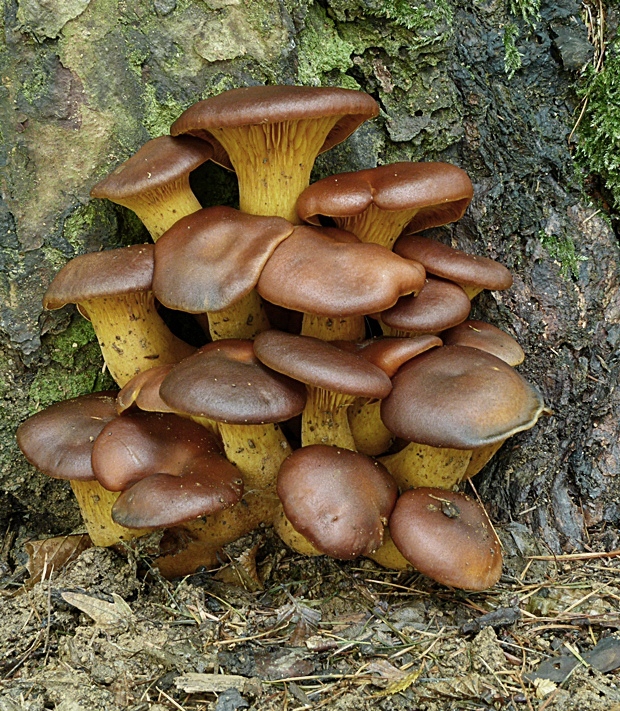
<point x="98" y="274"/>
<point x="321" y="364"/>
<point x="159" y="162"/>
<point x="225" y="381"/>
<point x="338" y="499"/>
<point x="208" y="484"/>
<point x="59" y="440"/>
<point x="137" y="445"/>
<point x="447" y="536"/>
<point x="440" y="304"/>
<point x="143" y="391"/>
<point x="444" y="261"/>
<point x="275" y="104"/>
<point x="486" y="337"/>
<point x="461" y="398"/>
<point x="212" y="258"/>
<point x="326" y="272"/>
<point x="390" y="353"/>
<point x="439" y="191"/>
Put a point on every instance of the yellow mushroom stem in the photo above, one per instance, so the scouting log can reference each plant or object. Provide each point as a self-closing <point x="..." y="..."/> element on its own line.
<point x="370" y="435"/>
<point x="480" y="457"/>
<point x="244" y="319"/>
<point x="376" y="225"/>
<point x="471" y="290"/>
<point x="343" y="328"/>
<point x="132" y="335"/>
<point x="419" y="465"/>
<point x="257" y="451"/>
<point x="293" y="539"/>
<point x="95" y="504"/>
<point x="161" y="207"/>
<point x="324" y="419"/>
<point x="273" y="162"/>
<point x="388" y="555"/>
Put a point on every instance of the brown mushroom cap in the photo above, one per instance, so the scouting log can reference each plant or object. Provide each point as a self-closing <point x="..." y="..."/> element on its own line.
<point x="143" y="391"/>
<point x="208" y="485"/>
<point x="321" y="364"/>
<point x="275" y="104"/>
<point x="478" y="334"/>
<point x="160" y="161"/>
<point x="441" y="192"/>
<point x="461" y="398"/>
<point x="338" y="499"/>
<point x="444" y="261"/>
<point x="225" y="381"/>
<point x="209" y="260"/>
<point x="327" y="273"/>
<point x="59" y="440"/>
<point x="447" y="536"/>
<point x="99" y="274"/>
<point x="137" y="445"/>
<point x="440" y="304"/>
<point x="390" y="353"/>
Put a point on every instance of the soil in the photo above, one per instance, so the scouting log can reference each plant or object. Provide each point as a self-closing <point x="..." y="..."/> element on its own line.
<point x="304" y="633"/>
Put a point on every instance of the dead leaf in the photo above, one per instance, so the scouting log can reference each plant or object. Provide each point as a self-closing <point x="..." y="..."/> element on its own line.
<point x="385" y="670"/>
<point x="401" y="684"/>
<point x="544" y="687"/>
<point x="52" y="554"/>
<point x="242" y="571"/>
<point x="105" y="614"/>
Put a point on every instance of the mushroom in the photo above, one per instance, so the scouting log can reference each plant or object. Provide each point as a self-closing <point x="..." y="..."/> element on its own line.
<point x="447" y="403"/>
<point x="338" y="500"/>
<point x="447" y="536"/>
<point x="439" y="305"/>
<point x="271" y="135"/>
<point x="471" y="272"/>
<point x="378" y="203"/>
<point x="485" y="337"/>
<point x="169" y="469"/>
<point x="154" y="182"/>
<point x="335" y="280"/>
<point x="113" y="289"/>
<point x="210" y="262"/>
<point x="333" y="378"/>
<point x="59" y="441"/>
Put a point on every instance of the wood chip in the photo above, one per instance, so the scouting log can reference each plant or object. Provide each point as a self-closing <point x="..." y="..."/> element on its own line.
<point x="194" y="683"/>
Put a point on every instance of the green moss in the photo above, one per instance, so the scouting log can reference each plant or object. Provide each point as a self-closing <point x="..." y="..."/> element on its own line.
<point x="90" y="222"/>
<point x="598" y="150"/>
<point x="322" y="50"/>
<point x="512" y="56"/>
<point x="562" y="250"/>
<point x="76" y="367"/>
<point x="159" y="113"/>
<point x="529" y="10"/>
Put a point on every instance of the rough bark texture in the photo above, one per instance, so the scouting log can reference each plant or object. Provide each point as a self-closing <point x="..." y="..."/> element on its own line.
<point x="85" y="83"/>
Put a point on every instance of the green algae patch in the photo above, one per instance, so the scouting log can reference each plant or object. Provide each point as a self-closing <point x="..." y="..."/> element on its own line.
<point x="321" y="50"/>
<point x="159" y="112"/>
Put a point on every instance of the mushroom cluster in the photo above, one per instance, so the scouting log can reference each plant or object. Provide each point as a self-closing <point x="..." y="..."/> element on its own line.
<point x="349" y="426"/>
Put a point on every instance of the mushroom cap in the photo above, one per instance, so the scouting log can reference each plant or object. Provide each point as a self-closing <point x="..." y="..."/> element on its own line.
<point x="486" y="337"/>
<point x="461" y="398"/>
<point x="226" y="382"/>
<point x="159" y="162"/>
<point x="440" y="304"/>
<point x="254" y="105"/>
<point x="390" y="353"/>
<point x="447" y="536"/>
<point x="327" y="273"/>
<point x="99" y="274"/>
<point x="137" y="445"/>
<point x="441" y="192"/>
<point x="212" y="258"/>
<point x="338" y="499"/>
<point x="321" y="364"/>
<point x="444" y="261"/>
<point x="59" y="440"/>
<point x="143" y="391"/>
<point x="208" y="485"/>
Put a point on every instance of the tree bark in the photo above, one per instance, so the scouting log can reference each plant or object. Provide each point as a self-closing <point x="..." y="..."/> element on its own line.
<point x="86" y="82"/>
